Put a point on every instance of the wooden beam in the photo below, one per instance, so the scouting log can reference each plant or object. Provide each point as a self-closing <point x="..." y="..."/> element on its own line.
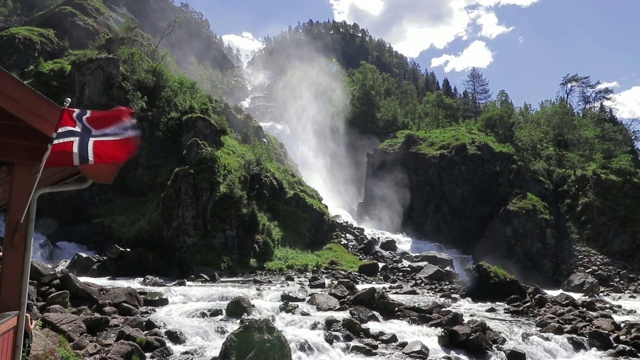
<point x="27" y="104"/>
<point x="15" y="237"/>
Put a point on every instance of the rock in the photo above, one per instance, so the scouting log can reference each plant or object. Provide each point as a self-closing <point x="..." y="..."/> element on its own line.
<point x="77" y="288"/>
<point x="91" y="350"/>
<point x="578" y="343"/>
<point x="155" y="299"/>
<point x="95" y="324"/>
<point x="339" y="292"/>
<point x="79" y="344"/>
<point x="128" y="333"/>
<point x="151" y="324"/>
<point x="432" y="272"/>
<point x="126" y="350"/>
<point x="513" y="354"/>
<point x="318" y="284"/>
<point x="581" y="283"/>
<point x="369" y="268"/>
<point x="389" y="245"/>
<point x="362" y="349"/>
<point x="83" y="265"/>
<point x="59" y="298"/>
<point x="416" y="349"/>
<point x="69" y="325"/>
<point x="363" y="315"/>
<point x="489" y="283"/>
<point x="600" y="340"/>
<point x="453" y="337"/>
<point x="175" y="336"/>
<point x="440" y="260"/>
<point x="292" y="297"/>
<point x="153" y="281"/>
<point x="126" y="295"/>
<point x="239" y="306"/>
<point x="163" y="353"/>
<point x="125" y="309"/>
<point x="43" y="341"/>
<point x="152" y="343"/>
<point x="323" y="302"/>
<point x="253" y="339"/>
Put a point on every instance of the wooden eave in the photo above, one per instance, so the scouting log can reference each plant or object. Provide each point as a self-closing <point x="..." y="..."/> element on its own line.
<point x="27" y="122"/>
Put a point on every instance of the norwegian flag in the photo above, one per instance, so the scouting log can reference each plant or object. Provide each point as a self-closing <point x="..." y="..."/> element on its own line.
<point x="86" y="137"/>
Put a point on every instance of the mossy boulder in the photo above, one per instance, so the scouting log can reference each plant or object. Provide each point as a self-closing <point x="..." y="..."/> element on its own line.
<point x="488" y="282"/>
<point x="254" y="339"/>
<point x="462" y="188"/>
<point x="22" y="47"/>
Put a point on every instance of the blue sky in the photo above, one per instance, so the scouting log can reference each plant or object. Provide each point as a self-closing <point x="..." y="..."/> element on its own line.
<point x="522" y="46"/>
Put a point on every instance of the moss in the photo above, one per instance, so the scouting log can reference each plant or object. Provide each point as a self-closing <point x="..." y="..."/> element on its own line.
<point x="438" y="141"/>
<point x="30" y="33"/>
<point x="530" y="203"/>
<point x="500" y="273"/>
<point x="286" y="258"/>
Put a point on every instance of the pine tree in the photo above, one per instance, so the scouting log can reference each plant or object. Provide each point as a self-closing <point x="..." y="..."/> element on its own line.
<point x="478" y="88"/>
<point x="447" y="90"/>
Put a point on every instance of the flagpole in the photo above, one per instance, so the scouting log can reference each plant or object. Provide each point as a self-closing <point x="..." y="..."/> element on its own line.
<point x="67" y="102"/>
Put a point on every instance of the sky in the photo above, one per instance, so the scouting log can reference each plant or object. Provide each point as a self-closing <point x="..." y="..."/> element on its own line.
<point x="522" y="46"/>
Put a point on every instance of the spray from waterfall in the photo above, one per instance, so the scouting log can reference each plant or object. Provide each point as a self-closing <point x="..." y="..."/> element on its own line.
<point x="310" y="104"/>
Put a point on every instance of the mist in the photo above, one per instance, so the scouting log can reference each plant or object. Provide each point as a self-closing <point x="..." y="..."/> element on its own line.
<point x="310" y="102"/>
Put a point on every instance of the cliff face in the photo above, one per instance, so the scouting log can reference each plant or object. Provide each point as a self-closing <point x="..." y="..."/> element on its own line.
<point x="474" y="195"/>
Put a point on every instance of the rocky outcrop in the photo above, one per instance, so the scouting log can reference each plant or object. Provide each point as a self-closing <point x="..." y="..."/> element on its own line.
<point x="473" y="195"/>
<point x="78" y="22"/>
<point x="22" y="47"/>
<point x="205" y="206"/>
<point x="253" y="339"/>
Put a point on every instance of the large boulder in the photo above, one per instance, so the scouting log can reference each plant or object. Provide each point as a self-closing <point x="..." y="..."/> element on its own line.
<point x="582" y="283"/>
<point x="253" y="340"/>
<point x="69" y="325"/>
<point x="238" y="306"/>
<point x="323" y="302"/>
<point x="490" y="283"/>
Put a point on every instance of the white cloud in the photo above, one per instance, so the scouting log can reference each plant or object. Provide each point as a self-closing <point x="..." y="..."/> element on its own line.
<point x="521" y="3"/>
<point x="626" y="104"/>
<point x="246" y="43"/>
<point x="412" y="26"/>
<point x="613" y="84"/>
<point x="520" y="39"/>
<point x="490" y="27"/>
<point x="475" y="55"/>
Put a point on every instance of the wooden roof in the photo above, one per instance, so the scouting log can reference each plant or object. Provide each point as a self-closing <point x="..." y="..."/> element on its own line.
<point x="27" y="122"/>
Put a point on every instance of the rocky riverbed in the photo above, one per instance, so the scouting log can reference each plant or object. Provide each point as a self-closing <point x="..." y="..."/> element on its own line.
<point x="333" y="314"/>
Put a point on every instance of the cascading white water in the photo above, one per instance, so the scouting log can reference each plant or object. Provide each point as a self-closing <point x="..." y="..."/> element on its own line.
<point x="44" y="251"/>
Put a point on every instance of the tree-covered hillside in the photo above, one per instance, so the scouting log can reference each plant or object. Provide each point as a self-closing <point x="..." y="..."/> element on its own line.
<point x="572" y="143"/>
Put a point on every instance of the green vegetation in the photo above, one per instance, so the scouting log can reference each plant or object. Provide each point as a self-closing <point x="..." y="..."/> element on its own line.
<point x="499" y="272"/>
<point x="65" y="351"/>
<point x="439" y="141"/>
<point x="286" y="258"/>
<point x="530" y="203"/>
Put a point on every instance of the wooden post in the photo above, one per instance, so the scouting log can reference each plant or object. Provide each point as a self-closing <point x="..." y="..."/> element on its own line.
<point x="15" y="237"/>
